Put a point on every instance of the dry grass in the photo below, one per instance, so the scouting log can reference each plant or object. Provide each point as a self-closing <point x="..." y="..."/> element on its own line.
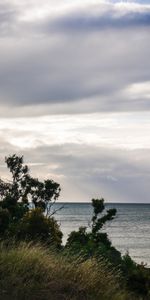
<point x="31" y="272"/>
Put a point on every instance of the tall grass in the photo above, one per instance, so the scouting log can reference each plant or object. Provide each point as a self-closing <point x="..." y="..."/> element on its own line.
<point x="33" y="272"/>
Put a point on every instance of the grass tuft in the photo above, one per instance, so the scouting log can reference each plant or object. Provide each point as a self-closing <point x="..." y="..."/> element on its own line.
<point x="33" y="272"/>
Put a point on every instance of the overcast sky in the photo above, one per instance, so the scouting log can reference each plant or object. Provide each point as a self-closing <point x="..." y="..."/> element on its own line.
<point x="75" y="95"/>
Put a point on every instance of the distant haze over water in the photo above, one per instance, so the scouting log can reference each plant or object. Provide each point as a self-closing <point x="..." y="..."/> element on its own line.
<point x="129" y="231"/>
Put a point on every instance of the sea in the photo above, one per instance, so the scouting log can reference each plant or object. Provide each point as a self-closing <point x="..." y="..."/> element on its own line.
<point x="129" y="231"/>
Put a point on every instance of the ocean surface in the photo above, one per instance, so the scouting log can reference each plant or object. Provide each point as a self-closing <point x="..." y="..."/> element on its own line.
<point x="129" y="231"/>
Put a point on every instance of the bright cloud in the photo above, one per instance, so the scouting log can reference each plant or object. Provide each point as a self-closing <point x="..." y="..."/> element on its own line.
<point x="114" y="131"/>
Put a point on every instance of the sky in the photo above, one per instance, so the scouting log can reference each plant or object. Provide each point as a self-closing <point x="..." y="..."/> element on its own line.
<point x="75" y="95"/>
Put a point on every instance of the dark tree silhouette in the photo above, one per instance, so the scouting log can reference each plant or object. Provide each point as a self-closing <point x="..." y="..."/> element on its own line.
<point x="24" y="190"/>
<point x="25" y="205"/>
<point x="99" y="221"/>
<point x="94" y="242"/>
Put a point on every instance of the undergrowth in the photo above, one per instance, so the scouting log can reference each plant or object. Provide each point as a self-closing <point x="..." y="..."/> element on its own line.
<point x="34" y="272"/>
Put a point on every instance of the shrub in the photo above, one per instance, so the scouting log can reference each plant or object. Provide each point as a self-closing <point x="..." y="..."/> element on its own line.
<point x="138" y="277"/>
<point x="34" y="226"/>
<point x="94" y="242"/>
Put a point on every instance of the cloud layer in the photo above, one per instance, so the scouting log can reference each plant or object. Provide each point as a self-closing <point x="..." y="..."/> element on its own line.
<point x="90" y="53"/>
<point x="75" y="94"/>
<point x="101" y="155"/>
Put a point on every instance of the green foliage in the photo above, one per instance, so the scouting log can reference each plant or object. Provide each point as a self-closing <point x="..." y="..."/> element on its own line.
<point x="25" y="189"/>
<point x="138" y="277"/>
<point x="25" y="204"/>
<point x="34" y="226"/>
<point x="95" y="242"/>
<point x="88" y="278"/>
<point x="16" y="210"/>
<point x="98" y="208"/>
<point x="34" y="272"/>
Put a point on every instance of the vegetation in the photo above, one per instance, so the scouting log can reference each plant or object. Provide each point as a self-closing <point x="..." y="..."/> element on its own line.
<point x="87" y="267"/>
<point x="24" y="189"/>
<point x="34" y="226"/>
<point x="34" y="272"/>
<point x="95" y="242"/>
<point x="25" y="205"/>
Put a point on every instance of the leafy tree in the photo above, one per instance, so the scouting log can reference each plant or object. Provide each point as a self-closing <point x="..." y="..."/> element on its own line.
<point x="95" y="242"/>
<point x="98" y="222"/>
<point x="25" y="204"/>
<point x="23" y="190"/>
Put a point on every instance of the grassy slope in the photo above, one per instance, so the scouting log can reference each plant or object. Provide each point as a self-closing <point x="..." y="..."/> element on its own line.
<point x="32" y="272"/>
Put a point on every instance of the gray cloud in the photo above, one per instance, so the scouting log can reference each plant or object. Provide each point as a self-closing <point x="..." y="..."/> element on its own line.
<point x="118" y="175"/>
<point x="8" y="19"/>
<point x="87" y="21"/>
<point x="44" y="62"/>
<point x="77" y="58"/>
<point x="76" y="68"/>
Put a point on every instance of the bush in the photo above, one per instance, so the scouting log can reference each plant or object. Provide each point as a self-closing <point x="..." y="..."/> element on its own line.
<point x="138" y="277"/>
<point x="94" y="242"/>
<point x="34" y="226"/>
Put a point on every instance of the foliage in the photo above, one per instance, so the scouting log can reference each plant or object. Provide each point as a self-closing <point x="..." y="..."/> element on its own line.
<point x="35" y="226"/>
<point x="138" y="277"/>
<point x="34" y="272"/>
<point x="98" y="222"/>
<point x="25" y="189"/>
<point x="95" y="242"/>
<point x="25" y="204"/>
<point x="4" y="220"/>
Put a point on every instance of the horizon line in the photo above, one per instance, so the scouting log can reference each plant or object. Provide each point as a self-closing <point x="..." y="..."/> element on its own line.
<point x="89" y="202"/>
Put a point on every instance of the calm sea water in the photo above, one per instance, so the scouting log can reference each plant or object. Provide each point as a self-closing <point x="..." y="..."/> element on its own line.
<point x="129" y="231"/>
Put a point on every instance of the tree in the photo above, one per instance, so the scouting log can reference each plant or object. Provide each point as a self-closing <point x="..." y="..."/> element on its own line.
<point x="98" y="208"/>
<point x="23" y="190"/>
<point x="95" y="242"/>
<point x="25" y="204"/>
